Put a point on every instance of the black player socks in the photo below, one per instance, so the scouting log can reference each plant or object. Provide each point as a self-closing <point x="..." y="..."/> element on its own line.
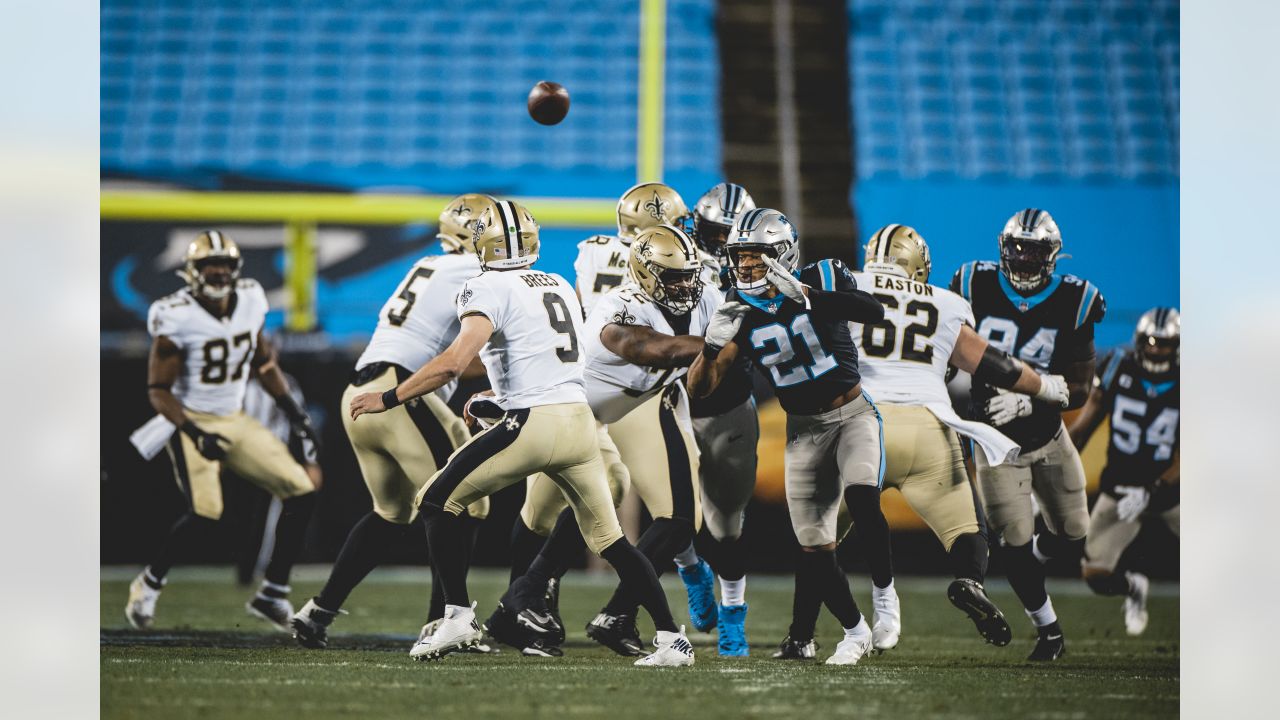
<point x="1108" y="583"/>
<point x="968" y="557"/>
<point x="807" y="602"/>
<point x="1026" y="575"/>
<point x="872" y="531"/>
<point x="728" y="558"/>
<point x="184" y="533"/>
<point x="638" y="577"/>
<point x="832" y="585"/>
<point x="364" y="549"/>
<point x="436" y="609"/>
<point x="446" y="537"/>
<point x="525" y="545"/>
<point x="291" y="530"/>
<point x="659" y="544"/>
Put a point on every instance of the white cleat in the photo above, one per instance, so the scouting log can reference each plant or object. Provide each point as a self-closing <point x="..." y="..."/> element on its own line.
<point x="887" y="613"/>
<point x="674" y="650"/>
<point x="141" y="608"/>
<point x="1135" y="604"/>
<point x="429" y="629"/>
<point x="853" y="646"/>
<point x="457" y="631"/>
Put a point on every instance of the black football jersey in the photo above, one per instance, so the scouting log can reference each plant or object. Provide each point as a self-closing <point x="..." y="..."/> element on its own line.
<point x="1049" y="331"/>
<point x="1144" y="415"/>
<point x="809" y="357"/>
<point x="734" y="387"/>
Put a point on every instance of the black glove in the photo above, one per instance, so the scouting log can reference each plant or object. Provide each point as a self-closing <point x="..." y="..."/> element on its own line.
<point x="299" y="421"/>
<point x="210" y="445"/>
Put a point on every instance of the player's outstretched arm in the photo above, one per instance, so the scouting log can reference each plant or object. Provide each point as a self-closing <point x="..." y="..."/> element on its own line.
<point x="1090" y="417"/>
<point x="267" y="367"/>
<point x="708" y="369"/>
<point x="994" y="367"/>
<point x="642" y="345"/>
<point x="439" y="371"/>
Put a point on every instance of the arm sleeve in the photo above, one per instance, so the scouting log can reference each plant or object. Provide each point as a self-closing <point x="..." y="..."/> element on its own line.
<point x="478" y="297"/>
<point x="845" y="300"/>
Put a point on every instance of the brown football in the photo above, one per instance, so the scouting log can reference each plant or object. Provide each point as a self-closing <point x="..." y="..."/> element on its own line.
<point x="548" y="102"/>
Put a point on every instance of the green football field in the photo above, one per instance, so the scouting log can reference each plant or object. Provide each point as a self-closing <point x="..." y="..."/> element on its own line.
<point x="207" y="658"/>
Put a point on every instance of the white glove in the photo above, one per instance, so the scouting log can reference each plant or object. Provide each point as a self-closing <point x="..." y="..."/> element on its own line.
<point x="482" y="408"/>
<point x="1005" y="406"/>
<point x="725" y="323"/>
<point x="786" y="283"/>
<point x="1133" y="500"/>
<point x="1053" y="389"/>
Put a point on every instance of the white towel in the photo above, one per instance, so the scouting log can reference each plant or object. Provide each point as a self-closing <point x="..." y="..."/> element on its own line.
<point x="998" y="448"/>
<point x="151" y="438"/>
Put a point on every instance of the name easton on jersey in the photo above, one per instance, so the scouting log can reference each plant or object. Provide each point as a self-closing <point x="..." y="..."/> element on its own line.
<point x="534" y="356"/>
<point x="903" y="358"/>
<point x="616" y="386"/>
<point x="216" y="351"/>
<point x="1049" y="331"/>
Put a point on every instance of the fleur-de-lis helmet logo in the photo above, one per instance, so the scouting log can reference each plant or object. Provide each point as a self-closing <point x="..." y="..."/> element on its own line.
<point x="645" y="248"/>
<point x="657" y="207"/>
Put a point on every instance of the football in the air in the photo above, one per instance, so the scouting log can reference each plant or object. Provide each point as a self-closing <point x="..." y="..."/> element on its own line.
<point x="548" y="102"/>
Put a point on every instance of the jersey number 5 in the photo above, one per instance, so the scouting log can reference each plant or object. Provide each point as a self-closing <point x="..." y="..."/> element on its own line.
<point x="409" y="295"/>
<point x="561" y="322"/>
<point x="782" y="363"/>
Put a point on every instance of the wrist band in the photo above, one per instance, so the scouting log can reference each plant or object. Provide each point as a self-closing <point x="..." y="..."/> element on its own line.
<point x="709" y="351"/>
<point x="389" y="399"/>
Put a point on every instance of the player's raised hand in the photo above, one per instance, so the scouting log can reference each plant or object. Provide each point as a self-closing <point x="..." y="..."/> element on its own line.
<point x="366" y="403"/>
<point x="782" y="279"/>
<point x="725" y="323"/>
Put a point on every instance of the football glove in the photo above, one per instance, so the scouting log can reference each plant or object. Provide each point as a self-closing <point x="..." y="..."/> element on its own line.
<point x="299" y="422"/>
<point x="1133" y="499"/>
<point x="725" y="323"/>
<point x="210" y="445"/>
<point x="482" y="409"/>
<point x="786" y="283"/>
<point x="1005" y="407"/>
<point x="1053" y="389"/>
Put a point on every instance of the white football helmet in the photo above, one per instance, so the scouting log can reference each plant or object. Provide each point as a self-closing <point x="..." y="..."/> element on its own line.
<point x="766" y="231"/>
<point x="716" y="213"/>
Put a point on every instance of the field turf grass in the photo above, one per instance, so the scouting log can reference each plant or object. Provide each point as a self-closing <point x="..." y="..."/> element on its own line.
<point x="205" y="657"/>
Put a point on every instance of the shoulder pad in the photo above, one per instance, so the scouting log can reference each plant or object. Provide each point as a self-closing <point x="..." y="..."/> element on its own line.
<point x="962" y="281"/>
<point x="1092" y="306"/>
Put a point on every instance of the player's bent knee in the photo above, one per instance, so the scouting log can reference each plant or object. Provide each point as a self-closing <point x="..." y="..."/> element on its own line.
<point x="1017" y="534"/>
<point x="816" y="538"/>
<point x="398" y="516"/>
<point x="948" y="537"/>
<point x="826" y="547"/>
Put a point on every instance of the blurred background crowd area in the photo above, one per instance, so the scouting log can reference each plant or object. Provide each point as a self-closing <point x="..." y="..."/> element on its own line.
<point x="948" y="115"/>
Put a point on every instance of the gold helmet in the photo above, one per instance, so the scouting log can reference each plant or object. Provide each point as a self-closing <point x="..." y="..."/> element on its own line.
<point x="664" y="262"/>
<point x="646" y="205"/>
<point x="457" y="221"/>
<point x="211" y="246"/>
<point x="898" y="250"/>
<point x="505" y="236"/>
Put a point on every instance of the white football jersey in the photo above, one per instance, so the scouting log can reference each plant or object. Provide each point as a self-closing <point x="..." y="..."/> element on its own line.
<point x="903" y="359"/>
<point x="420" y="319"/>
<point x="217" y="351"/>
<point x="616" y="386"/>
<point x="601" y="266"/>
<point x="535" y="355"/>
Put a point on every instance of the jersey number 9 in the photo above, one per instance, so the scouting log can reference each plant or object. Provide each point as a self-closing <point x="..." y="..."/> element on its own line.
<point x="562" y="323"/>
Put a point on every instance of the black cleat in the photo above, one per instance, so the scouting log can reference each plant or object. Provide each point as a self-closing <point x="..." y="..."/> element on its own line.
<point x="502" y="626"/>
<point x="796" y="649"/>
<point x="553" y="603"/>
<point x="311" y="625"/>
<point x="540" y="648"/>
<point x="616" y="632"/>
<point x="1050" y="645"/>
<point x="969" y="596"/>
<point x="530" y="611"/>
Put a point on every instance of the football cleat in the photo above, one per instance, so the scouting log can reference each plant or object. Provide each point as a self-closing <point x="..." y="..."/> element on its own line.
<point x="796" y="649"/>
<point x="528" y="607"/>
<point x="673" y="650"/>
<point x="552" y="598"/>
<point x="1135" y="604"/>
<point x="503" y="628"/>
<point x="700" y="584"/>
<point x="541" y="648"/>
<point x="311" y="625"/>
<point x="732" y="631"/>
<point x="276" y="610"/>
<point x="853" y="646"/>
<point x="1050" y="645"/>
<point x="141" y="608"/>
<point x="457" y="632"/>
<point x="616" y="632"/>
<point x="429" y="629"/>
<point x="887" y="613"/>
<point x="969" y="596"/>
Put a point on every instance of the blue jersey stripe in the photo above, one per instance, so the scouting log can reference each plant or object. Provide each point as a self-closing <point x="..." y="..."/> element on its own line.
<point x="1086" y="303"/>
<point x="966" y="281"/>
<point x="828" y="275"/>
<point x="880" y="421"/>
<point x="1018" y="300"/>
